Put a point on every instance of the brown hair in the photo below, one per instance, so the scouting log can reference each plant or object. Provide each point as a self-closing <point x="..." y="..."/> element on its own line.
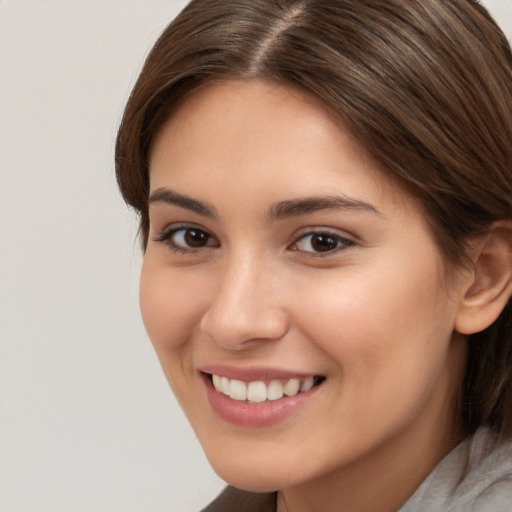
<point x="426" y="85"/>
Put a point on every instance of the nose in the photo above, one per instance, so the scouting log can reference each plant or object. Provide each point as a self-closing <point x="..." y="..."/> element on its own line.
<point x="246" y="306"/>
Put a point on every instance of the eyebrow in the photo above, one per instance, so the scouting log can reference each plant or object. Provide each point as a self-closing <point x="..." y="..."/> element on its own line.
<point x="165" y="195"/>
<point x="303" y="206"/>
<point x="280" y="210"/>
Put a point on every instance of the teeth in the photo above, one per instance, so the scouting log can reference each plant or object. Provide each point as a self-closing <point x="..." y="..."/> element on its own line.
<point x="217" y="382"/>
<point x="292" y="387"/>
<point x="224" y="385"/>
<point x="258" y="391"/>
<point x="237" y="390"/>
<point x="307" y="384"/>
<point x="275" y="390"/>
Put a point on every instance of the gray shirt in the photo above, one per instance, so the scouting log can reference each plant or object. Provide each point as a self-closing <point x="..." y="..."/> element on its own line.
<point x="475" y="477"/>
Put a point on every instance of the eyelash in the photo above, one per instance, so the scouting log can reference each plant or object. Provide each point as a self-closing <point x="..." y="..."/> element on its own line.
<point x="167" y="238"/>
<point x="341" y="242"/>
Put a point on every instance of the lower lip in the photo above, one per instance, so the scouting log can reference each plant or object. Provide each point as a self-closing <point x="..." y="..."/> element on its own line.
<point x="256" y="415"/>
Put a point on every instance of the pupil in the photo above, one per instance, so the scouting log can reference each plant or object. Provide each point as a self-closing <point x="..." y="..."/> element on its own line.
<point x="196" y="238"/>
<point x="324" y="243"/>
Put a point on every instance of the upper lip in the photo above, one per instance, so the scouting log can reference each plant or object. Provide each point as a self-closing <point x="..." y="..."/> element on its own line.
<point x="254" y="373"/>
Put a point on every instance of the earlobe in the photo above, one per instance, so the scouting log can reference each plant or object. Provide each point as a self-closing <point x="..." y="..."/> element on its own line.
<point x="489" y="286"/>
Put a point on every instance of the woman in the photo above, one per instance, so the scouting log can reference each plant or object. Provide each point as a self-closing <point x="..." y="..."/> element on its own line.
<point x="325" y="196"/>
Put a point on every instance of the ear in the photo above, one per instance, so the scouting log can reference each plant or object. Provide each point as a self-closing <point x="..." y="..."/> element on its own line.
<point x="488" y="287"/>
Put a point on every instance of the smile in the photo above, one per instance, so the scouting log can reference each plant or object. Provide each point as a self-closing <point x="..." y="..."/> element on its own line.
<point x="256" y="392"/>
<point x="258" y="396"/>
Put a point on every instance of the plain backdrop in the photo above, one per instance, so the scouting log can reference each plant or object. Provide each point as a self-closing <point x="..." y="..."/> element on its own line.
<point x="87" y="422"/>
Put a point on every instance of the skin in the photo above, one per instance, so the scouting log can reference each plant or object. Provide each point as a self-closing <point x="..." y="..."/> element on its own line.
<point x="375" y="315"/>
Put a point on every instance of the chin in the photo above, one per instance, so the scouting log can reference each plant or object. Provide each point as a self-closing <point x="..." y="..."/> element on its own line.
<point x="253" y="481"/>
<point x="263" y="470"/>
<point x="250" y="475"/>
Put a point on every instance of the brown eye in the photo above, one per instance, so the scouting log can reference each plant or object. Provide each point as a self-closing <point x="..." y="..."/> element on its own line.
<point x="187" y="239"/>
<point x="321" y="243"/>
<point x="195" y="237"/>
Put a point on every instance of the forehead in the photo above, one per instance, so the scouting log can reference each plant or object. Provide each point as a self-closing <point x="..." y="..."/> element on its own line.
<point x="249" y="111"/>
<point x="276" y="136"/>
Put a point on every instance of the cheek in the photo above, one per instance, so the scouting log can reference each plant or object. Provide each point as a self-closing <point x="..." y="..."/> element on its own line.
<point x="385" y="327"/>
<point x="388" y="348"/>
<point x="170" y="307"/>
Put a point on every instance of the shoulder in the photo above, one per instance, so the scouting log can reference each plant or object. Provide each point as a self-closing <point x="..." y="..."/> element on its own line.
<point x="497" y="497"/>
<point x="236" y="500"/>
<point x="475" y="477"/>
<point x="487" y="483"/>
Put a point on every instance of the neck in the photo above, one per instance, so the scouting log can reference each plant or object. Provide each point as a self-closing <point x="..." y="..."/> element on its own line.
<point x="386" y="476"/>
<point x="381" y="483"/>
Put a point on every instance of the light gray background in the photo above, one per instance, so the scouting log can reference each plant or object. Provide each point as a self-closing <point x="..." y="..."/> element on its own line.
<point x="87" y="422"/>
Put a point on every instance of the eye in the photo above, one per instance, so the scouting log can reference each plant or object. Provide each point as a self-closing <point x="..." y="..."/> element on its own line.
<point x="187" y="239"/>
<point x="321" y="242"/>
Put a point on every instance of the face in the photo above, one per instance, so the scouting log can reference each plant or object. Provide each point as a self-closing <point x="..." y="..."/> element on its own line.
<point x="293" y="292"/>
